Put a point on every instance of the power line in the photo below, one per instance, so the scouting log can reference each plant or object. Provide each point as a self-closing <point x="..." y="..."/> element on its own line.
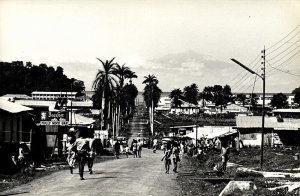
<point x="283" y="44"/>
<point x="250" y="81"/>
<point x="240" y="82"/>
<point x="289" y="59"/>
<point x="236" y="76"/>
<point x="285" y="55"/>
<point x="287" y="72"/>
<point x="284" y="37"/>
<point x="285" y="50"/>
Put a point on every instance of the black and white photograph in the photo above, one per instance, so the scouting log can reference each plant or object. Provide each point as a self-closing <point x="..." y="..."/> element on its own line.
<point x="150" y="97"/>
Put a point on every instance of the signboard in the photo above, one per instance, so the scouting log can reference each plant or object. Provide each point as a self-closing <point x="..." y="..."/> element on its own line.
<point x="101" y="134"/>
<point x="54" y="118"/>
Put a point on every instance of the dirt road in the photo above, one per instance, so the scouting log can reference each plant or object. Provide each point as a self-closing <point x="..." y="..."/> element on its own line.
<point x="124" y="176"/>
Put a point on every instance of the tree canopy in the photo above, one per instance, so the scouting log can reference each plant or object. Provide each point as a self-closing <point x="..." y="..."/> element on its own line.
<point x="279" y="100"/>
<point x="17" y="78"/>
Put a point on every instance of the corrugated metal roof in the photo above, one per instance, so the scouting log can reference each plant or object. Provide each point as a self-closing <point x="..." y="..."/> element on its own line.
<point x="18" y="96"/>
<point x="270" y="122"/>
<point x="286" y="111"/>
<point x="13" y="107"/>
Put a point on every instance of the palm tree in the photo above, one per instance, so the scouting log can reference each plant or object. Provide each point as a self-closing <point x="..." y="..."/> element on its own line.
<point x="176" y="95"/>
<point x="130" y="76"/>
<point x="105" y="80"/>
<point x="122" y="72"/>
<point x="150" y="82"/>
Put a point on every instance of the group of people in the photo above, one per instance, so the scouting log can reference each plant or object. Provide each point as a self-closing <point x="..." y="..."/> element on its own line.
<point x="171" y="153"/>
<point x="83" y="150"/>
<point x="137" y="146"/>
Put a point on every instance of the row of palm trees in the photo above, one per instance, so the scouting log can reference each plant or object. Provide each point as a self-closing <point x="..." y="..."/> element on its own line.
<point x="151" y="96"/>
<point x="113" y="97"/>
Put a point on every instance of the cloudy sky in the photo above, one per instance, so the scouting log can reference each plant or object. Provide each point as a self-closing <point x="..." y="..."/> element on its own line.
<point x="181" y="42"/>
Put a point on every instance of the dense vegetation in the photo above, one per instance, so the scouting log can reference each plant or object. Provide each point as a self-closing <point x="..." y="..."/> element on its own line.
<point x="17" y="78"/>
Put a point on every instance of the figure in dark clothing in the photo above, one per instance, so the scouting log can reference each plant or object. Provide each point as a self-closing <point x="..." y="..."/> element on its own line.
<point x="117" y="149"/>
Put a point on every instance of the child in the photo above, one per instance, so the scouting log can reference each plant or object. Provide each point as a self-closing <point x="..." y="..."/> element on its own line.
<point x="127" y="151"/>
<point x="167" y="158"/>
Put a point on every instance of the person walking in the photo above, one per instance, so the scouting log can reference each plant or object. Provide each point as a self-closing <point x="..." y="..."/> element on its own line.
<point x="82" y="147"/>
<point x="91" y="154"/>
<point x="127" y="151"/>
<point x="167" y="158"/>
<point x="72" y="152"/>
<point x="117" y="148"/>
<point x="139" y="148"/>
<point x="175" y="156"/>
<point x="224" y="155"/>
<point x="154" y="145"/>
<point x="134" y="148"/>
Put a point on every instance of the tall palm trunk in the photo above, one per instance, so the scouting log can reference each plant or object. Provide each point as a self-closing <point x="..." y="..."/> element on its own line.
<point x="102" y="110"/>
<point x="152" y="116"/>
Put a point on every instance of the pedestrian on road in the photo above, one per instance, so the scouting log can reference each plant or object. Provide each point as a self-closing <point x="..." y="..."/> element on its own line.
<point x="127" y="151"/>
<point x="72" y="152"/>
<point x="139" y="148"/>
<point x="175" y="156"/>
<point x="82" y="147"/>
<point x="117" y="148"/>
<point x="134" y="148"/>
<point x="91" y="154"/>
<point x="167" y="158"/>
<point x="154" y="145"/>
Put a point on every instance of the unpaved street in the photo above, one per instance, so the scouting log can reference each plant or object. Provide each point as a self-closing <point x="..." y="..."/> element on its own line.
<point x="124" y="176"/>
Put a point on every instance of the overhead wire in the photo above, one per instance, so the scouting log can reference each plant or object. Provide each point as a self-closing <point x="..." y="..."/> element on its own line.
<point x="245" y="77"/>
<point x="267" y="54"/>
<point x="246" y="86"/>
<point x="284" y="37"/>
<point x="243" y="80"/>
<point x="242" y="70"/>
<point x="284" y="56"/>
<point x="287" y="72"/>
<point x="286" y="62"/>
<point x="270" y="59"/>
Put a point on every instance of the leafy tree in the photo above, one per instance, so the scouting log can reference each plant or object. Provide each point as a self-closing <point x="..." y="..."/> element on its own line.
<point x="191" y="94"/>
<point x="221" y="96"/>
<point x="242" y="98"/>
<point x="176" y="95"/>
<point x="296" y="90"/>
<point x="253" y="100"/>
<point x="297" y="98"/>
<point x="279" y="101"/>
<point x="17" y="78"/>
<point x="207" y="94"/>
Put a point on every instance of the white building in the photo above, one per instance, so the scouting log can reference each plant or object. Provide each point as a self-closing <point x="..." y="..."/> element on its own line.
<point x="43" y="95"/>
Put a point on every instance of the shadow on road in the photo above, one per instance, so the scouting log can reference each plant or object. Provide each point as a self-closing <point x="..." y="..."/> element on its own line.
<point x="19" y="193"/>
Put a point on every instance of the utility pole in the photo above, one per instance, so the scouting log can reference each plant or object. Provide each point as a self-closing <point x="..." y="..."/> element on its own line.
<point x="263" y="107"/>
<point x="263" y="77"/>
